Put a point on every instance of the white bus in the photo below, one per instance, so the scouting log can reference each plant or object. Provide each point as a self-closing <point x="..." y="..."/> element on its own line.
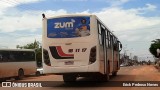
<point x="79" y="46"/>
<point x="17" y="63"/>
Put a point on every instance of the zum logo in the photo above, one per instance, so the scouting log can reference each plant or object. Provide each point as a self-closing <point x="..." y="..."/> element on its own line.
<point x="64" y="24"/>
<point x="77" y="50"/>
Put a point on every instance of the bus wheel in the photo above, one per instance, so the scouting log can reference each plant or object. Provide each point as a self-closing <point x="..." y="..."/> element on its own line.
<point x="68" y="78"/>
<point x="114" y="73"/>
<point x="106" y="77"/>
<point x="38" y="73"/>
<point x="20" y="74"/>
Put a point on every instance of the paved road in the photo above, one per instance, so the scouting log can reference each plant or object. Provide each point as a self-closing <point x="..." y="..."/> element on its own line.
<point x="132" y="73"/>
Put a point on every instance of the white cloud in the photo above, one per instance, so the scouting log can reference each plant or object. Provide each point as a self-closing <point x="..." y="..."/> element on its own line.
<point x="151" y="7"/>
<point x="16" y="20"/>
<point x="123" y="37"/>
<point x="120" y="20"/>
<point x="24" y="22"/>
<point x="28" y="39"/>
<point x="51" y="13"/>
<point x="11" y="41"/>
<point x="27" y="20"/>
<point x="133" y="38"/>
<point x="143" y="10"/>
<point x="84" y="12"/>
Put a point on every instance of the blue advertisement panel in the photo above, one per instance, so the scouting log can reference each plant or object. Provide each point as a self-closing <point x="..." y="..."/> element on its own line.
<point x="68" y="27"/>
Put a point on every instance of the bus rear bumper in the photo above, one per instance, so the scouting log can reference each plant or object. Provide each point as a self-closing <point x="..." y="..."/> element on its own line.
<point x="70" y="69"/>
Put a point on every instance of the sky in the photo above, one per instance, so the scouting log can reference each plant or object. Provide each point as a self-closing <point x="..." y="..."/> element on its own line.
<point x="135" y="22"/>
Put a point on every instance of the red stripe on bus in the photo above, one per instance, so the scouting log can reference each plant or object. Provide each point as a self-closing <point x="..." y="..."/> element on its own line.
<point x="61" y="53"/>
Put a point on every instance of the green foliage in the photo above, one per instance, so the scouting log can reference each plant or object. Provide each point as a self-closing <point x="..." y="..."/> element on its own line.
<point x="154" y="46"/>
<point x="38" y="50"/>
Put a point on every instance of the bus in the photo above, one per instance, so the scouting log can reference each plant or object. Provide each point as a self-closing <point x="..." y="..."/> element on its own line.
<point x="17" y="63"/>
<point x="79" y="46"/>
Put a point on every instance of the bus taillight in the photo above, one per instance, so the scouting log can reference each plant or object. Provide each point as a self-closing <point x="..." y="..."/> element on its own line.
<point x="92" y="57"/>
<point x="46" y="57"/>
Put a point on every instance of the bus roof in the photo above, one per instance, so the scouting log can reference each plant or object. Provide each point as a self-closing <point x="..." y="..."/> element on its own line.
<point x="17" y="50"/>
<point x="69" y="15"/>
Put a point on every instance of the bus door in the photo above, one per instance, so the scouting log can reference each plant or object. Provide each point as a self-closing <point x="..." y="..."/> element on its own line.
<point x="115" y="54"/>
<point x="104" y="50"/>
<point x="119" y="48"/>
<point x="112" y="54"/>
<point x="101" y="35"/>
<point x="109" y="54"/>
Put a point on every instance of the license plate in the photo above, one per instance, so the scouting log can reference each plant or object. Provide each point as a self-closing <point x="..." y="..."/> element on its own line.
<point x="69" y="62"/>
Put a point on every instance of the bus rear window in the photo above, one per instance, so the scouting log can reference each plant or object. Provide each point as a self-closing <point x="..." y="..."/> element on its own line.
<point x="68" y="27"/>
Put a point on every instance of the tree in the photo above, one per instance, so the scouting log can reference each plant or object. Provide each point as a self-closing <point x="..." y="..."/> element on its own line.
<point x="38" y="50"/>
<point x="154" y="46"/>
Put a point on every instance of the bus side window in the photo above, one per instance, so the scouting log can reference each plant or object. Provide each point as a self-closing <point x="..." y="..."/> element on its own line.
<point x="12" y="56"/>
<point x="115" y="44"/>
<point x="99" y="34"/>
<point x="102" y="34"/>
<point x="109" y="40"/>
<point x="30" y="56"/>
<point x="117" y="47"/>
<point x="108" y="36"/>
<point x="18" y="56"/>
<point x="5" y="56"/>
<point x="25" y="57"/>
<point x="1" y="59"/>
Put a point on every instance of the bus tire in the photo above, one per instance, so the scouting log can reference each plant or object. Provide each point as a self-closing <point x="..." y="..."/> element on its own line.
<point x="20" y="74"/>
<point x="106" y="77"/>
<point x="68" y="78"/>
<point x="114" y="73"/>
<point x="38" y="73"/>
